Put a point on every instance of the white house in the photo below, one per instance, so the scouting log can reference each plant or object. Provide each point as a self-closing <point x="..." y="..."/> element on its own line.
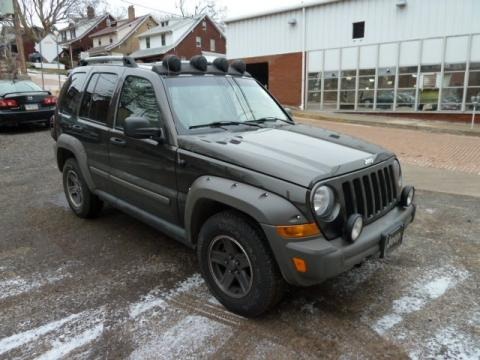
<point x="365" y="55"/>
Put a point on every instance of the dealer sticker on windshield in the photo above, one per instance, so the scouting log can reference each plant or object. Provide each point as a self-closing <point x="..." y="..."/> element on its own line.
<point x="391" y="241"/>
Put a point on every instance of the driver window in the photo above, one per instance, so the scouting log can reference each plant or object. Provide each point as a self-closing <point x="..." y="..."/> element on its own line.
<point x="138" y="99"/>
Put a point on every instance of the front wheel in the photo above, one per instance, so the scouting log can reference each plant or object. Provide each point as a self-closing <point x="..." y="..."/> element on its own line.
<point x="82" y="201"/>
<point x="238" y="265"/>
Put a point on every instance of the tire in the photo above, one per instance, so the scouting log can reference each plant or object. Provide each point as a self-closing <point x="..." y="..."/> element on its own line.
<point x="81" y="200"/>
<point x="256" y="284"/>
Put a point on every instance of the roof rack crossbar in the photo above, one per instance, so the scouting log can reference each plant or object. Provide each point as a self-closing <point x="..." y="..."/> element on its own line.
<point x="126" y="60"/>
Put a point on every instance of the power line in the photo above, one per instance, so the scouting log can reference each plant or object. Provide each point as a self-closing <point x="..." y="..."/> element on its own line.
<point x="150" y="8"/>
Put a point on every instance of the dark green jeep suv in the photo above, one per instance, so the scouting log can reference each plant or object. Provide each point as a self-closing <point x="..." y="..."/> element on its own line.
<point x="206" y="155"/>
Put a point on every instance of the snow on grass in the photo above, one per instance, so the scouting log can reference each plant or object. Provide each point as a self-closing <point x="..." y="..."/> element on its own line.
<point x="192" y="337"/>
<point x="449" y="343"/>
<point x="433" y="286"/>
<point x="62" y="348"/>
<point x="157" y="298"/>
<point x="18" y="285"/>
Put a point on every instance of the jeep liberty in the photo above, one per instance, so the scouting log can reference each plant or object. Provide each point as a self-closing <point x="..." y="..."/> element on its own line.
<point x="203" y="153"/>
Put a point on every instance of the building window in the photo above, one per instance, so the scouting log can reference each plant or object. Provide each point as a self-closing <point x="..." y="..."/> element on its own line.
<point x="212" y="44"/>
<point x="452" y="87"/>
<point x="429" y="87"/>
<point x="347" y="89"/>
<point x="164" y="23"/>
<point x="204" y="25"/>
<point x="99" y="42"/>
<point x="314" y="89"/>
<point x="111" y="40"/>
<point x="330" y="86"/>
<point x="64" y="35"/>
<point x="359" y="30"/>
<point x="473" y="84"/>
<point x="72" y="33"/>
<point x="407" y="82"/>
<point x="198" y="41"/>
<point x="163" y="40"/>
<point x="147" y="42"/>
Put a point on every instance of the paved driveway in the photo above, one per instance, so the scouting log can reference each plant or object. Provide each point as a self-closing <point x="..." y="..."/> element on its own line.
<point x="114" y="288"/>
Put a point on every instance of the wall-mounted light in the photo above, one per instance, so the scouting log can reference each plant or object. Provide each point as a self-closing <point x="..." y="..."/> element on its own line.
<point x="292" y="22"/>
<point x="401" y="3"/>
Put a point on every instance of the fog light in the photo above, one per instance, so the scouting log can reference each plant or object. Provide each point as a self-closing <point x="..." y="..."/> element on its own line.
<point x="354" y="227"/>
<point x="408" y="193"/>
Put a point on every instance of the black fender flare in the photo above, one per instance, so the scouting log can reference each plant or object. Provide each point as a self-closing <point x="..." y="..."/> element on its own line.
<point x="72" y="144"/>
<point x="263" y="206"/>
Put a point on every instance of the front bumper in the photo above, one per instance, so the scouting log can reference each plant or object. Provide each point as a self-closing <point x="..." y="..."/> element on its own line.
<point x="25" y="117"/>
<point x="326" y="259"/>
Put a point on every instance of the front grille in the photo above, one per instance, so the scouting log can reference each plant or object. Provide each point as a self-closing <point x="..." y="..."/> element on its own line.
<point x="370" y="194"/>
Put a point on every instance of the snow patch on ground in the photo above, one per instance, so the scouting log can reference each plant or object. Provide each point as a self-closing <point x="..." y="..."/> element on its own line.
<point x="433" y="286"/>
<point x="19" y="285"/>
<point x="62" y="348"/>
<point x="192" y="337"/>
<point x="449" y="343"/>
<point x="157" y="297"/>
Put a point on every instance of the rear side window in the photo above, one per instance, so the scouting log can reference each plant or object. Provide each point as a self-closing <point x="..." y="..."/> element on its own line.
<point x="138" y="99"/>
<point x="97" y="97"/>
<point x="71" y="96"/>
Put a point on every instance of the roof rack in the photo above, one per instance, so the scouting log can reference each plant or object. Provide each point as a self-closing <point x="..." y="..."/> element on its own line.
<point x="114" y="60"/>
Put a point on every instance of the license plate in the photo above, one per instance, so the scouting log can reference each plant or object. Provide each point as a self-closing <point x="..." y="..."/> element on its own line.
<point x="31" y="106"/>
<point x="391" y="241"/>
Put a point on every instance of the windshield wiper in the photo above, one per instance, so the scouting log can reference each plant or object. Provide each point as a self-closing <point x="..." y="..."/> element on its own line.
<point x="224" y="123"/>
<point x="268" y="118"/>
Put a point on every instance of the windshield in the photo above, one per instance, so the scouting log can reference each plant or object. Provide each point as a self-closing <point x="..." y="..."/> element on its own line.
<point x="18" y="86"/>
<point x="198" y="101"/>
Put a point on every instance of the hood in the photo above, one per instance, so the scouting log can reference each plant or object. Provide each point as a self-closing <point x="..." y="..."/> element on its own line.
<point x="300" y="154"/>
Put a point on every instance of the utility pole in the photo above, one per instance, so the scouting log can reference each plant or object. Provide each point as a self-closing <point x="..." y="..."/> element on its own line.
<point x="18" y="36"/>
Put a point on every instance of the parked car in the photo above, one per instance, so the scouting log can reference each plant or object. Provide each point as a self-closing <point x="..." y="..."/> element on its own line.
<point x="385" y="100"/>
<point x="35" y="57"/>
<point x="24" y="102"/>
<point x="216" y="163"/>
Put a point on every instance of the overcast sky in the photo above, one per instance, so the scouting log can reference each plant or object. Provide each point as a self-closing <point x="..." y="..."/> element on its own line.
<point x="234" y="7"/>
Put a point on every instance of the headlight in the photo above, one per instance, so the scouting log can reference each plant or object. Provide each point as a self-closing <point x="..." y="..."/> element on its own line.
<point x="397" y="170"/>
<point x="323" y="203"/>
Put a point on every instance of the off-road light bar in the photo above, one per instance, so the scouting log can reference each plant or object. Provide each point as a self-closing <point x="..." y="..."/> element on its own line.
<point x="408" y="193"/>
<point x="354" y="227"/>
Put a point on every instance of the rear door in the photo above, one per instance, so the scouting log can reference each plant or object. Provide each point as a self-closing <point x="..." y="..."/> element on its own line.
<point x="143" y="170"/>
<point x="94" y="122"/>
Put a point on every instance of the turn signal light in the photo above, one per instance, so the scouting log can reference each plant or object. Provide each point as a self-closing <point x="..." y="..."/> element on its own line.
<point x="298" y="231"/>
<point x="300" y="264"/>
<point x="8" y="103"/>
<point x="50" y="100"/>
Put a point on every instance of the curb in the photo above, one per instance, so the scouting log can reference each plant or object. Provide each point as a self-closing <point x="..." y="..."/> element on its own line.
<point x="426" y="128"/>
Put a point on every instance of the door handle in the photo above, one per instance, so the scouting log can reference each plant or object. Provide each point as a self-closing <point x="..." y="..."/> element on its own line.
<point x="118" y="141"/>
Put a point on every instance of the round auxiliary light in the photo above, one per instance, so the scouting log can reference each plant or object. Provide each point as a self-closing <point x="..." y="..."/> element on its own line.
<point x="172" y="63"/>
<point x="354" y="227"/>
<point x="408" y="193"/>
<point x="239" y="66"/>
<point x="199" y="62"/>
<point x="323" y="201"/>
<point x="221" y="64"/>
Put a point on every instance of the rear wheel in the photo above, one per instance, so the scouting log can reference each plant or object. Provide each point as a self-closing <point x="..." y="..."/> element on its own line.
<point x="238" y="265"/>
<point x="81" y="200"/>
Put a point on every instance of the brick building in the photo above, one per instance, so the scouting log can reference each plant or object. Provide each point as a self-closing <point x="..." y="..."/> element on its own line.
<point x="184" y="37"/>
<point x="411" y="57"/>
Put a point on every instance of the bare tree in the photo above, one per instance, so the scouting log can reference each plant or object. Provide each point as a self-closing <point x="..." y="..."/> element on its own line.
<point x="198" y="7"/>
<point x="46" y="14"/>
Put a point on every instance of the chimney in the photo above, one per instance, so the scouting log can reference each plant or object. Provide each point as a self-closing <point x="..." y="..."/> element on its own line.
<point x="131" y="13"/>
<point x="90" y="12"/>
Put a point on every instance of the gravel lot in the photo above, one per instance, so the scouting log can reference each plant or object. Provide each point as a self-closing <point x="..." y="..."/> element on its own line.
<point x="114" y="288"/>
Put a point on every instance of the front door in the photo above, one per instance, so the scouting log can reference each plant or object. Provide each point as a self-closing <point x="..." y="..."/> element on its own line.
<point x="143" y="170"/>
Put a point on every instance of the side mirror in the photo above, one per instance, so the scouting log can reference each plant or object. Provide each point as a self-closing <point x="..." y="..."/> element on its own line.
<point x="138" y="127"/>
<point x="288" y="111"/>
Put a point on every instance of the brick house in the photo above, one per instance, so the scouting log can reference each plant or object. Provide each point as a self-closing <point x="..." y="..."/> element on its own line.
<point x="120" y="37"/>
<point x="75" y="38"/>
<point x="184" y="37"/>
